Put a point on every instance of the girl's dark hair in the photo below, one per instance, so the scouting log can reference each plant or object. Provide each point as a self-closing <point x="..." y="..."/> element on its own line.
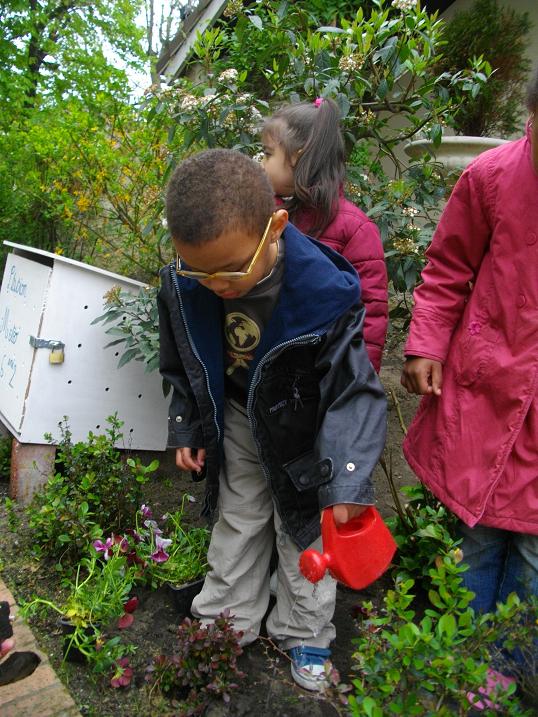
<point x="532" y="93"/>
<point x="312" y="133"/>
<point x="215" y="191"/>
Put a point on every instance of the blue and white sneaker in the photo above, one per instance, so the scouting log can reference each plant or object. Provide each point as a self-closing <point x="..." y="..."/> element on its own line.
<point x="310" y="667"/>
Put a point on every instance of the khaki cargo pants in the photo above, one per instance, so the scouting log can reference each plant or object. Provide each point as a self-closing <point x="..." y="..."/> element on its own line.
<point x="240" y="551"/>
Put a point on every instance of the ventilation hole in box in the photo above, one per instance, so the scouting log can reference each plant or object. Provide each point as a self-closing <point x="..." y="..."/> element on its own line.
<point x="117" y="353"/>
<point x="107" y="388"/>
<point x="85" y="306"/>
<point x="70" y="381"/>
<point x="79" y="346"/>
<point x="131" y="430"/>
<point x="139" y="395"/>
<point x="98" y="426"/>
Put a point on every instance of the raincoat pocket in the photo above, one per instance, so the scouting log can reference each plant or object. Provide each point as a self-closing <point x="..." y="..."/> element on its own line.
<point x="474" y="351"/>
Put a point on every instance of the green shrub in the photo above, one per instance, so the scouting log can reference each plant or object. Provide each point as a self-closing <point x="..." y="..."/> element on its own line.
<point x="5" y="457"/>
<point x="94" y="492"/>
<point x="426" y="649"/>
<point x="426" y="666"/>
<point x="500" y="34"/>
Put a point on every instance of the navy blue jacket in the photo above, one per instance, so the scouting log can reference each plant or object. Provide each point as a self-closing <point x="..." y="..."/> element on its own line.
<point x="315" y="404"/>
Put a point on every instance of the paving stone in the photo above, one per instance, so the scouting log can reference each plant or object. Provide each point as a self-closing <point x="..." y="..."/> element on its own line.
<point x="41" y="694"/>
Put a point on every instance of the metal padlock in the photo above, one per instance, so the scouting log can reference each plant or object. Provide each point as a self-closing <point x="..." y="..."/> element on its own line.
<point x="56" y="355"/>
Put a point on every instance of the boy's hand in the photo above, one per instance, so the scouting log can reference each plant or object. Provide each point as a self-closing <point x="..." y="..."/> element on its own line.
<point x="422" y="375"/>
<point x="190" y="459"/>
<point x="345" y="511"/>
<point x="6" y="646"/>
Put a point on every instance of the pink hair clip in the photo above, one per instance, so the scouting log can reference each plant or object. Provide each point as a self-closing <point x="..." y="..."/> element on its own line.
<point x="317" y="102"/>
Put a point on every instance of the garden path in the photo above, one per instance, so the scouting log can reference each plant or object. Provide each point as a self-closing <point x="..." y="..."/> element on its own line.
<point x="41" y="694"/>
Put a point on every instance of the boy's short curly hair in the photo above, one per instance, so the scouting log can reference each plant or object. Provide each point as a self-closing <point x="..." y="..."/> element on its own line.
<point x="215" y="191"/>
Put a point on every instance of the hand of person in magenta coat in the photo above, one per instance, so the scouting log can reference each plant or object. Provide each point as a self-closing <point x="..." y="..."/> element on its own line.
<point x="422" y="375"/>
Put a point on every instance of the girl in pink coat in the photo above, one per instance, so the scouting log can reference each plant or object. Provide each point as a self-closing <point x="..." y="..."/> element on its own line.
<point x="473" y="352"/>
<point x="305" y="160"/>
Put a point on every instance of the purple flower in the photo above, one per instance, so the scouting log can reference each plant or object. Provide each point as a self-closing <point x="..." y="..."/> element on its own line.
<point x="145" y="511"/>
<point x="104" y="547"/>
<point x="153" y="526"/>
<point x="160" y="555"/>
<point x="134" y="535"/>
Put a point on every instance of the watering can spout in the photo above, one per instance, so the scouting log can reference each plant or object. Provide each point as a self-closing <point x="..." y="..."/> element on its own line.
<point x="356" y="553"/>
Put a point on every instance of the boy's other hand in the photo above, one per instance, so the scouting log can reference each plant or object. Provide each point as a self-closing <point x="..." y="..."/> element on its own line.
<point x="6" y="646"/>
<point x="345" y="511"/>
<point x="422" y="375"/>
<point x="190" y="459"/>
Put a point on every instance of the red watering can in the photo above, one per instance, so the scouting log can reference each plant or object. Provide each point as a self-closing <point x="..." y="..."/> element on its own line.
<point x="355" y="553"/>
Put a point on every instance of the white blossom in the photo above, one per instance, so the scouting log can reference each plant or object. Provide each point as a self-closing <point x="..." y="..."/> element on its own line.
<point x="351" y="63"/>
<point x="404" y="5"/>
<point x="229" y="75"/>
<point x="190" y="102"/>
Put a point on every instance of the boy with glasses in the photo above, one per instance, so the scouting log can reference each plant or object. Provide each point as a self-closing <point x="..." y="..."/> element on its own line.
<point x="275" y="402"/>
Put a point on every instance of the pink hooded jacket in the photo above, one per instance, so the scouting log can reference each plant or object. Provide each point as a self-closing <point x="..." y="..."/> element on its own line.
<point x="352" y="234"/>
<point x="477" y="313"/>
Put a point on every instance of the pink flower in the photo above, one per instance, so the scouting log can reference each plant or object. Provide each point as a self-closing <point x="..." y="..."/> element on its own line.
<point x="145" y="511"/>
<point x="474" y="328"/>
<point x="160" y="555"/>
<point x="123" y="674"/>
<point x="131" y="604"/>
<point x="104" y="548"/>
<point x="126" y="620"/>
<point x="317" y="102"/>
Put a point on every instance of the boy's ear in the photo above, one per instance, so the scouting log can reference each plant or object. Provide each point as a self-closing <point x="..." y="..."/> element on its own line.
<point x="280" y="219"/>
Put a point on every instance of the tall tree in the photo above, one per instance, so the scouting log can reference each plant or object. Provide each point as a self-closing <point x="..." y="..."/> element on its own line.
<point x="53" y="49"/>
<point x="163" y="20"/>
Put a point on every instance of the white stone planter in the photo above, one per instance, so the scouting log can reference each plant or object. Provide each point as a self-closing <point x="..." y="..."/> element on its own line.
<point x="453" y="152"/>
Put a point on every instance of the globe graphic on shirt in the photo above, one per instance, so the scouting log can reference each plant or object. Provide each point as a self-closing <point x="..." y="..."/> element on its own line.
<point x="241" y="332"/>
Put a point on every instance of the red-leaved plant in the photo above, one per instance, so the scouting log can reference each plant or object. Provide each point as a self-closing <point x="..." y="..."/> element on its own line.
<point x="204" y="667"/>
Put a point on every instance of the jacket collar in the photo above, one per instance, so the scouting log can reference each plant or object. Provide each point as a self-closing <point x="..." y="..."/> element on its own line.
<point x="318" y="287"/>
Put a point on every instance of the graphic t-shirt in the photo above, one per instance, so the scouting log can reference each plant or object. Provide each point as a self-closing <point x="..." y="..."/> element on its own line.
<point x="244" y="320"/>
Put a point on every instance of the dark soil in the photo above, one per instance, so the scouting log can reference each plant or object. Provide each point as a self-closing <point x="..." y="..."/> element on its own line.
<point x="267" y="689"/>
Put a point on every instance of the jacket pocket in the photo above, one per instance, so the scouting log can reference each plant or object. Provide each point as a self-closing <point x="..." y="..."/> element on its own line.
<point x="474" y="352"/>
<point x="306" y="473"/>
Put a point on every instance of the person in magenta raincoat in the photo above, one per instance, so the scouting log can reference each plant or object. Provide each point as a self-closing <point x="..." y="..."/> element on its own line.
<point x="472" y="351"/>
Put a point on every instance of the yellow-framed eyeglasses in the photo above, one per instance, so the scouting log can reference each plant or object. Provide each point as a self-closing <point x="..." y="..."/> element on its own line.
<point x="231" y="275"/>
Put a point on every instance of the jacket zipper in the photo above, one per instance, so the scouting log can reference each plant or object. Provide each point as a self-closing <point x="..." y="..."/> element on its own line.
<point x="299" y="341"/>
<point x="297" y="400"/>
<point x="193" y="348"/>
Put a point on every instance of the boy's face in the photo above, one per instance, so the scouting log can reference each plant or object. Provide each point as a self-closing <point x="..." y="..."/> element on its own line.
<point x="233" y="251"/>
<point x="278" y="168"/>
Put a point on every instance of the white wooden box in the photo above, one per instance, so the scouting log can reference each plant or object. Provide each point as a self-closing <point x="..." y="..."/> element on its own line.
<point x="54" y="298"/>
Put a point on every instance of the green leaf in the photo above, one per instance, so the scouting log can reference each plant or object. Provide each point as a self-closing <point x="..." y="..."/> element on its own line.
<point x="256" y="21"/>
<point x="128" y="356"/>
<point x="447" y="625"/>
